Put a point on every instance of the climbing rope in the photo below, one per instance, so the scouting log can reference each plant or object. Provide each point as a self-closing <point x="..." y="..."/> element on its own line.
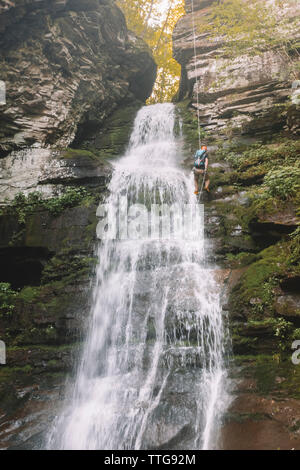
<point x="202" y="187"/>
<point x="196" y="74"/>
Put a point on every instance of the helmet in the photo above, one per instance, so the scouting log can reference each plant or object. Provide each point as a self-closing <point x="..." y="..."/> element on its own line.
<point x="203" y="147"/>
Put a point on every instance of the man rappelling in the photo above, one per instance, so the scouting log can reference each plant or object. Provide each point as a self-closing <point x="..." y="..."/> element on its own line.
<point x="200" y="169"/>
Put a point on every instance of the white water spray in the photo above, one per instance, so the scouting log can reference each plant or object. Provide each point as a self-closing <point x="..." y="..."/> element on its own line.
<point x="152" y="372"/>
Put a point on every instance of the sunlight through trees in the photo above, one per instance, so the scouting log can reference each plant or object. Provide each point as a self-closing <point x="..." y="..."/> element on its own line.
<point x="154" y="21"/>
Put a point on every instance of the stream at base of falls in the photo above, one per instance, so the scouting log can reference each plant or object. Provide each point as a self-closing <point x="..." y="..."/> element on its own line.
<point x="153" y="370"/>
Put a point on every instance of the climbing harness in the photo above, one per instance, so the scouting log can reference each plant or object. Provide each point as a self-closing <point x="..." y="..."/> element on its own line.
<point x="196" y="74"/>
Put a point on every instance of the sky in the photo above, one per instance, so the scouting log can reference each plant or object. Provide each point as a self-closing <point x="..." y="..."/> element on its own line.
<point x="163" y="7"/>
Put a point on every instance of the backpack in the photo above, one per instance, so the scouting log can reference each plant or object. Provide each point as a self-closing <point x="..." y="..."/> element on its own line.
<point x="200" y="157"/>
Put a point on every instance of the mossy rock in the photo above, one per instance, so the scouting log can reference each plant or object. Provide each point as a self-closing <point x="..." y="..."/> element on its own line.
<point x="272" y="375"/>
<point x="112" y="139"/>
<point x="75" y="154"/>
<point x="255" y="337"/>
<point x="253" y="296"/>
<point x="37" y="360"/>
<point x="189" y="126"/>
<point x="52" y="310"/>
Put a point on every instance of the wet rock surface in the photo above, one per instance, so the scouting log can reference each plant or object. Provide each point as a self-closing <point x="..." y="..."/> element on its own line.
<point x="75" y="75"/>
<point x="49" y="172"/>
<point x="51" y="103"/>
<point x="252" y="236"/>
<point x="265" y="413"/>
<point x="26" y="412"/>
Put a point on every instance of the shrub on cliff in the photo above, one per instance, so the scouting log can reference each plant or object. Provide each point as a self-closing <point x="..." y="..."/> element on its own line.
<point x="7" y="299"/>
<point x="283" y="183"/>
<point x="23" y="205"/>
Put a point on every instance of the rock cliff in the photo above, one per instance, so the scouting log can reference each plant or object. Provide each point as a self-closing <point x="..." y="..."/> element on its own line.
<point x="67" y="66"/>
<point x="75" y="77"/>
<point x="237" y="96"/>
<point x="252" y="214"/>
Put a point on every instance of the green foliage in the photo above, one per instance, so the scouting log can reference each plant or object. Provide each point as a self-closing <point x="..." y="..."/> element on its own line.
<point x="271" y="155"/>
<point x="253" y="27"/>
<point x="296" y="334"/>
<point x="23" y="205"/>
<point x="282" y="330"/>
<point x="148" y="20"/>
<point x="266" y="297"/>
<point x="241" y="259"/>
<point x="67" y="264"/>
<point x="283" y="183"/>
<point x="71" y="198"/>
<point x="233" y="158"/>
<point x="275" y="165"/>
<point x="294" y="257"/>
<point x="7" y="299"/>
<point x="28" y="294"/>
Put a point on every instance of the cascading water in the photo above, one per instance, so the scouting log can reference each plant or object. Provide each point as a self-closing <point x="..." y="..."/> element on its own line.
<point x="152" y="372"/>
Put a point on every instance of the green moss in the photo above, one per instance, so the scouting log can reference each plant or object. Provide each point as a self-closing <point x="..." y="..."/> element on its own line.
<point x="90" y="231"/>
<point x="241" y="259"/>
<point x="114" y="136"/>
<point x="7" y="300"/>
<point x="267" y="370"/>
<point x="47" y="348"/>
<point x="77" y="154"/>
<point x="275" y="167"/>
<point x="274" y="374"/>
<point x="244" y="417"/>
<point x="244" y="359"/>
<point x="244" y="343"/>
<point x="277" y="334"/>
<point x="189" y="125"/>
<point x="37" y="336"/>
<point x="17" y="236"/>
<point x="28" y="294"/>
<point x="294" y="257"/>
<point x="56" y="295"/>
<point x="66" y="266"/>
<point x="254" y="294"/>
<point x="14" y="373"/>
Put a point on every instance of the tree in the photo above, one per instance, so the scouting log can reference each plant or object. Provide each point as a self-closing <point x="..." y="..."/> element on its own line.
<point x="147" y="19"/>
<point x="254" y="27"/>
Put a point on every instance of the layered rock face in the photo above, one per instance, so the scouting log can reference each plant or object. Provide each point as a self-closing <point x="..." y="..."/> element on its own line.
<point x="252" y="228"/>
<point x="238" y="95"/>
<point x="75" y="76"/>
<point x="67" y="65"/>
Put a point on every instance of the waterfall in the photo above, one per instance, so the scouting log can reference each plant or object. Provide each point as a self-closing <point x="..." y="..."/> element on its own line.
<point x="153" y="367"/>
